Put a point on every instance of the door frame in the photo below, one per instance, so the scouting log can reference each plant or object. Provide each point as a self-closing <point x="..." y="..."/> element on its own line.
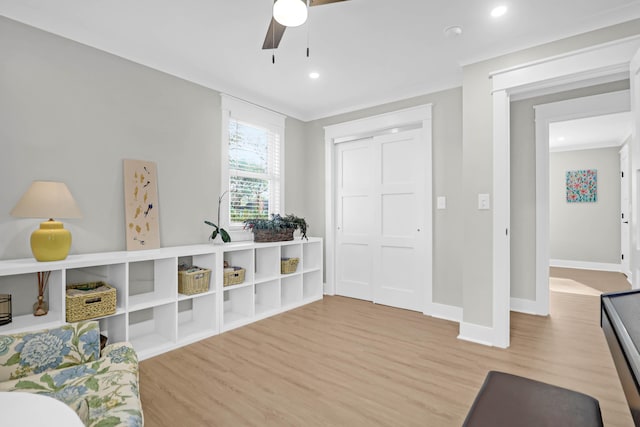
<point x="581" y="68"/>
<point x="419" y="117"/>
<point x="545" y="114"/>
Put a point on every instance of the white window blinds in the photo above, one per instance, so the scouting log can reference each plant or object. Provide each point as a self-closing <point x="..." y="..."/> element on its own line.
<point x="253" y="161"/>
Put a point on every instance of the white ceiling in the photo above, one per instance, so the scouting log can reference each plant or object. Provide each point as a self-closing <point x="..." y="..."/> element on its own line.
<point x="592" y="132"/>
<point x="367" y="51"/>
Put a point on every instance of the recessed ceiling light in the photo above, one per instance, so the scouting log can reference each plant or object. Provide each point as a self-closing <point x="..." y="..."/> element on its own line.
<point x="314" y="75"/>
<point x="499" y="11"/>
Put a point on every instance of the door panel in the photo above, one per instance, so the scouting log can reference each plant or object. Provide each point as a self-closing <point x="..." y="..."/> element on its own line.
<point x="380" y="232"/>
<point x="354" y="221"/>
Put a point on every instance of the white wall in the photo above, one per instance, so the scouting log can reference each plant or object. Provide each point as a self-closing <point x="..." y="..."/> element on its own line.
<point x="72" y="113"/>
<point x="588" y="232"/>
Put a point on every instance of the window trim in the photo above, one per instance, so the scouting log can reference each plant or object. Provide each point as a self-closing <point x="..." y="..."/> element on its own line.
<point x="250" y="113"/>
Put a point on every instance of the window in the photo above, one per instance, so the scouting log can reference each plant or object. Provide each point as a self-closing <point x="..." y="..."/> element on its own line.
<point x="252" y="141"/>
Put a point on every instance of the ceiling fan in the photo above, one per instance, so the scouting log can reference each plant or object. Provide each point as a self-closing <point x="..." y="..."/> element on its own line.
<point x="276" y="29"/>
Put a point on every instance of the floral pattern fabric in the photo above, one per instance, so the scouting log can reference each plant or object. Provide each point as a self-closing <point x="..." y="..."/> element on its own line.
<point x="102" y="390"/>
<point x="37" y="352"/>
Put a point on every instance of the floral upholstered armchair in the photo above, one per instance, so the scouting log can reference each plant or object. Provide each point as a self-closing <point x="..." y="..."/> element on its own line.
<point x="65" y="363"/>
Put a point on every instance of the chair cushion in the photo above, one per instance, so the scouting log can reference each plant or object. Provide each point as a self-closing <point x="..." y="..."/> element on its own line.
<point x="41" y="351"/>
<point x="510" y="400"/>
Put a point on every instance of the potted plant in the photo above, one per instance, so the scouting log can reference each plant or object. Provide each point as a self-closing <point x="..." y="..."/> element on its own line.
<point x="216" y="228"/>
<point x="276" y="229"/>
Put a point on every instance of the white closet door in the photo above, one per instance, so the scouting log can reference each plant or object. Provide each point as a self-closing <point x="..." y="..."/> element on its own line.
<point x="354" y="219"/>
<point x="381" y="231"/>
<point x="399" y="241"/>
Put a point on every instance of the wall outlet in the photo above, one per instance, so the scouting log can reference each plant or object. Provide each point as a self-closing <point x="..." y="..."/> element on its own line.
<point x="442" y="202"/>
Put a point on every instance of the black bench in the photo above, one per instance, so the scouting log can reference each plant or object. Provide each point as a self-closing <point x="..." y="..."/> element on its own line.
<point x="510" y="400"/>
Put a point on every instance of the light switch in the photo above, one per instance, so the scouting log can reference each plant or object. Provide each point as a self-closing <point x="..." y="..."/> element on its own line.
<point x="483" y="202"/>
<point x="442" y="202"/>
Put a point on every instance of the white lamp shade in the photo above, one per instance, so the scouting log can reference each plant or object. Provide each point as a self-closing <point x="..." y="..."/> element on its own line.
<point x="47" y="199"/>
<point x="290" y="13"/>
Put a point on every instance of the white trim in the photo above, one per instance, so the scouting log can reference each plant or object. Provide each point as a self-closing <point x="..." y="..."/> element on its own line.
<point x="526" y="306"/>
<point x="444" y="311"/>
<point x="593" y="62"/>
<point x="545" y="114"/>
<point x="361" y="128"/>
<point x="501" y="220"/>
<point x="589" y="146"/>
<point x="584" y="265"/>
<point x="260" y="116"/>
<point x="476" y="333"/>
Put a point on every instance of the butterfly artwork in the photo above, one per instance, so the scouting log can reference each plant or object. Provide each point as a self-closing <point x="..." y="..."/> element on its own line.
<point x="141" y="205"/>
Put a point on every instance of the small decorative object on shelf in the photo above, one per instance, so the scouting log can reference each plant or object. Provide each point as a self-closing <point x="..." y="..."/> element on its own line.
<point x="193" y="279"/>
<point x="289" y="265"/>
<point x="41" y="307"/>
<point x="90" y="300"/>
<point x="232" y="275"/>
<point x="216" y="227"/>
<point x="276" y="229"/>
<point x="5" y="309"/>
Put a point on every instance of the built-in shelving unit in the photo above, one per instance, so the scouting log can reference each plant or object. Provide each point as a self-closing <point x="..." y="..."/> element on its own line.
<point x="150" y="313"/>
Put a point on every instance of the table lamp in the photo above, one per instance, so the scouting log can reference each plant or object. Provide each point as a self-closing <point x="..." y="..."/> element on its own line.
<point x="47" y="199"/>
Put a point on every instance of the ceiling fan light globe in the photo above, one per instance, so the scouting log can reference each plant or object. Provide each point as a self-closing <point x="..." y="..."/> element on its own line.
<point x="290" y="13"/>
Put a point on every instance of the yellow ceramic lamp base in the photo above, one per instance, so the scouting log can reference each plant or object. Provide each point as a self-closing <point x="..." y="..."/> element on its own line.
<point x="51" y="242"/>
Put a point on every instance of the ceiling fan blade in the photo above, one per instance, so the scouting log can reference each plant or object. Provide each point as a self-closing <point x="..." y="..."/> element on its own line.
<point x="274" y="35"/>
<point x="321" y="2"/>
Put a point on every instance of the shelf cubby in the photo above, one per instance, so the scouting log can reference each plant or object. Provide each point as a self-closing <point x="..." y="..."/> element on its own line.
<point x="153" y="330"/>
<point x="114" y="275"/>
<point x="312" y="256"/>
<point x="267" y="297"/>
<point x="267" y="263"/>
<point x="291" y="290"/>
<point x="114" y="327"/>
<point x="238" y="305"/>
<point x="312" y="285"/>
<point x="197" y="318"/>
<point x="152" y="283"/>
<point x="241" y="258"/>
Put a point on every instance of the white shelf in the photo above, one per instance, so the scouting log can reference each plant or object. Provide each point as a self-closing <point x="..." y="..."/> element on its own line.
<point x="150" y="313"/>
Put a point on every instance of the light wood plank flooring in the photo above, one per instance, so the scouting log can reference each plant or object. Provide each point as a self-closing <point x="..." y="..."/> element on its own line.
<point x="344" y="362"/>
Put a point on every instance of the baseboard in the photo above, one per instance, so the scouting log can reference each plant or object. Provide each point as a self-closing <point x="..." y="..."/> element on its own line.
<point x="584" y="265"/>
<point x="526" y="306"/>
<point x="476" y="333"/>
<point x="444" y="311"/>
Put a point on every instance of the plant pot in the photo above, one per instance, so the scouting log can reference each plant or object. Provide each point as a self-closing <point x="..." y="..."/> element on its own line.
<point x="263" y="236"/>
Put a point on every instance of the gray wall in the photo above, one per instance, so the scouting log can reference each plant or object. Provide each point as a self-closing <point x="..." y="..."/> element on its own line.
<point x="447" y="181"/>
<point x="72" y="113"/>
<point x="477" y="162"/>
<point x="523" y="184"/>
<point x="588" y="232"/>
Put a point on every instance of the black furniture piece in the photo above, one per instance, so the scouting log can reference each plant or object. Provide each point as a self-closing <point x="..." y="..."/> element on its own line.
<point x="506" y="400"/>
<point x="620" y="322"/>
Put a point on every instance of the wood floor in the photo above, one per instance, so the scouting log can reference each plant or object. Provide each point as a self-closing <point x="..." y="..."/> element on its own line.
<point x="344" y="362"/>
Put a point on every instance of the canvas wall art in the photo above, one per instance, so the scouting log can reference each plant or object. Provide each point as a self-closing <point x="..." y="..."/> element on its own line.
<point x="141" y="205"/>
<point x="582" y="186"/>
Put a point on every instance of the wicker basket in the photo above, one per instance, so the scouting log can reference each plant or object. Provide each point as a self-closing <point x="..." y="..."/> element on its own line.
<point x="289" y="265"/>
<point x="282" y="235"/>
<point x="91" y="303"/>
<point x="193" y="280"/>
<point x="234" y="277"/>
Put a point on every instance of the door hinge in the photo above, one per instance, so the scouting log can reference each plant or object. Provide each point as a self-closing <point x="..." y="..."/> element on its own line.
<point x="506" y="231"/>
<point x="622" y="256"/>
<point x="621" y="174"/>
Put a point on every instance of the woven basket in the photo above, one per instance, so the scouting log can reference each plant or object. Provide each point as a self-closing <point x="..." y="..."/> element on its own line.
<point x="234" y="277"/>
<point x="282" y="235"/>
<point x="90" y="304"/>
<point x="194" y="280"/>
<point x="289" y="265"/>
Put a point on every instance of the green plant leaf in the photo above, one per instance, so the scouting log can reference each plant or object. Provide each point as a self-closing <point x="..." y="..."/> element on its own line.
<point x="225" y="236"/>
<point x="214" y="234"/>
<point x="92" y="384"/>
<point x="29" y="385"/>
<point x="13" y="359"/>
<point x="210" y="223"/>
